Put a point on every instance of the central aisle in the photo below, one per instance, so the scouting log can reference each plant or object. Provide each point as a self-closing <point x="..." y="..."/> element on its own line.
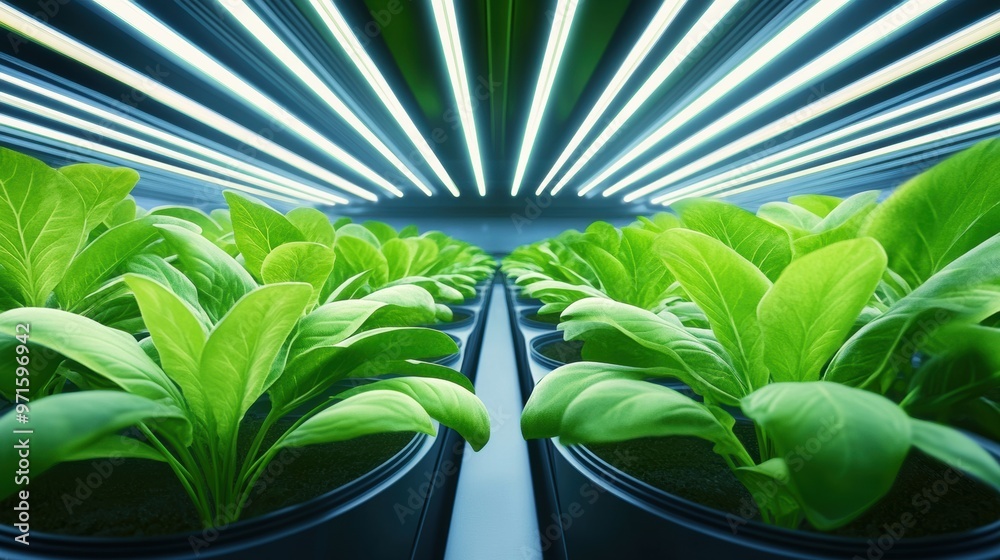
<point x="494" y="515"/>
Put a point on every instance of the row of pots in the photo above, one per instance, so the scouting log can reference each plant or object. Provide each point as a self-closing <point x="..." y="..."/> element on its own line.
<point x="590" y="507"/>
<point x="401" y="508"/>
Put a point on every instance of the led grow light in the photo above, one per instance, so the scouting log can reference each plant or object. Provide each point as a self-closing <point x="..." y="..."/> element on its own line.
<point x="67" y="46"/>
<point x="345" y="37"/>
<point x="447" y="24"/>
<point x="183" y="50"/>
<point x="701" y="29"/>
<point x="270" y="40"/>
<point x="260" y="176"/>
<point x="814" y="17"/>
<point x="770" y="164"/>
<point x="561" y="24"/>
<point x="62" y="138"/>
<point x="843" y="53"/>
<point x="920" y="141"/>
<point x="654" y="31"/>
<point x="927" y="56"/>
<point x="139" y="143"/>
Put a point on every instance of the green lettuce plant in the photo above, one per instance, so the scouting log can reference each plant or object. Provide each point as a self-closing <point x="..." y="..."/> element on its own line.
<point x="857" y="323"/>
<point x="189" y="386"/>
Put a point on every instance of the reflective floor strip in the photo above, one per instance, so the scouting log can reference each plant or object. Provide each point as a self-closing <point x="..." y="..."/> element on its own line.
<point x="494" y="515"/>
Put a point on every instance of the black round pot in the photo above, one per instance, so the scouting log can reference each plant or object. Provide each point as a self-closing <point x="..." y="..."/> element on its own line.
<point x="461" y="318"/>
<point x="552" y="351"/>
<point x="360" y="519"/>
<point x="606" y="513"/>
<point x="530" y="318"/>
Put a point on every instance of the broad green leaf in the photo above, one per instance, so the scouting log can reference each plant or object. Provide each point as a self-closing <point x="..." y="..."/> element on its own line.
<point x="399" y="256"/>
<point x="808" y="313"/>
<point x="764" y="244"/>
<point x="324" y="351"/>
<point x="100" y="187"/>
<point x="411" y="368"/>
<point x="768" y="484"/>
<point x="843" y="223"/>
<point x="646" y="279"/>
<point x="314" y="225"/>
<point x="659" y="222"/>
<point x="358" y="231"/>
<point x="382" y="231"/>
<point x="376" y="412"/>
<point x="941" y="214"/>
<point x="351" y="288"/>
<point x="107" y="257"/>
<point x="622" y="409"/>
<point x="728" y="288"/>
<point x="116" y="446"/>
<point x="409" y="231"/>
<point x="179" y="337"/>
<point x="258" y="230"/>
<point x="109" y="353"/>
<point x="219" y="279"/>
<point x="438" y="290"/>
<point x="860" y="441"/>
<point x="407" y="306"/>
<point x="306" y="262"/>
<point x="42" y="224"/>
<point x="240" y="351"/>
<point x="64" y="426"/>
<point x="444" y="401"/>
<point x="9" y="294"/>
<point x="967" y="289"/>
<point x="355" y="255"/>
<point x="629" y="336"/>
<point x="209" y="228"/>
<point x="819" y="204"/>
<point x="156" y="268"/>
<point x="543" y="413"/>
<point x="340" y="222"/>
<point x="956" y="449"/>
<point x="796" y="220"/>
<point x="122" y="212"/>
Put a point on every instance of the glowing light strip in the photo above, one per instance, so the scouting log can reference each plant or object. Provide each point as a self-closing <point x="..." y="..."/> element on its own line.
<point x="270" y="40"/>
<point x="877" y="32"/>
<point x="652" y="34"/>
<point x="769" y="165"/>
<point x="185" y="51"/>
<point x="687" y="45"/>
<point x="927" y="56"/>
<point x="777" y="45"/>
<point x="67" y="46"/>
<point x="139" y="143"/>
<point x="561" y="24"/>
<point x="342" y="32"/>
<point x="76" y="142"/>
<point x="931" y="138"/>
<point x="273" y="180"/>
<point x="447" y="24"/>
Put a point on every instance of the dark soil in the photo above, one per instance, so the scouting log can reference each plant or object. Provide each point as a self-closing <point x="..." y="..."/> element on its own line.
<point x="141" y="498"/>
<point x="563" y="351"/>
<point x="687" y="467"/>
<point x="551" y="318"/>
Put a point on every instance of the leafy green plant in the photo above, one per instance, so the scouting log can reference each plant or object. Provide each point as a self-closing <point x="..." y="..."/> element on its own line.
<point x="771" y="350"/>
<point x="345" y="260"/>
<point x="189" y="386"/>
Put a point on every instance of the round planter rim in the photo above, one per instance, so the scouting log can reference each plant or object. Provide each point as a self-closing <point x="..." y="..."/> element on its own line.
<point x="716" y="523"/>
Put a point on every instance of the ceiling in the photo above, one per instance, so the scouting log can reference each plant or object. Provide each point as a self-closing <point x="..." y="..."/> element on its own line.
<point x="754" y="98"/>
